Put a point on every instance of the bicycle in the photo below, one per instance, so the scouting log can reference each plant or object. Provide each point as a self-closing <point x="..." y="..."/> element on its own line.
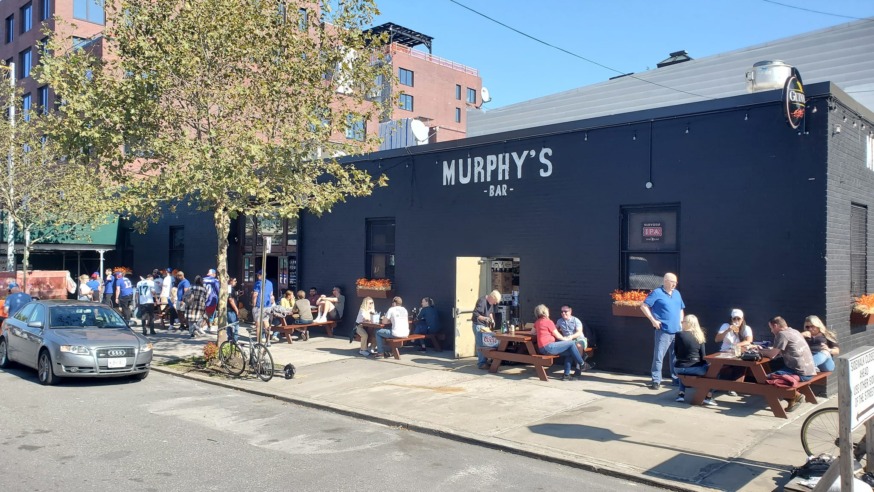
<point x="819" y="434"/>
<point x="233" y="357"/>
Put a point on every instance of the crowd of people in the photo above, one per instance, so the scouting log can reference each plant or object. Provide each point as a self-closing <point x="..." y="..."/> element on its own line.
<point x="681" y="337"/>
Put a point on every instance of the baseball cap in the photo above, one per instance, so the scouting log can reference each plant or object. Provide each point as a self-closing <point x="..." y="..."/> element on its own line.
<point x="95" y="275"/>
<point x="737" y="313"/>
<point x="119" y="274"/>
<point x="211" y="271"/>
<point x="259" y="272"/>
<point x="13" y="285"/>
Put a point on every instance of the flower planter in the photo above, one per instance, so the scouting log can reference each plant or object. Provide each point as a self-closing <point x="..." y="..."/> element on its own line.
<point x="859" y="319"/>
<point x="375" y="293"/>
<point x="628" y="310"/>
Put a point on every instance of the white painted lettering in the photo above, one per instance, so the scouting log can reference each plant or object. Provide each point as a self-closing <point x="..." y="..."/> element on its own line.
<point x="479" y="174"/>
<point x="491" y="165"/>
<point x="519" y="160"/>
<point x="462" y="179"/>
<point x="503" y="167"/>
<point x="547" y="165"/>
<point x="449" y="172"/>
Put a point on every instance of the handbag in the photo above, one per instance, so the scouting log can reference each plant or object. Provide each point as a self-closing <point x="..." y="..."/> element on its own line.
<point x="751" y="355"/>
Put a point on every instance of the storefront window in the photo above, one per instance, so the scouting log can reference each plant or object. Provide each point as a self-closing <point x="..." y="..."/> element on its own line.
<point x="650" y="245"/>
<point x="380" y="255"/>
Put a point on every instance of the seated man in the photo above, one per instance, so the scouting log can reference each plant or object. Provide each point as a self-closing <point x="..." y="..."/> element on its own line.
<point x="570" y="326"/>
<point x="400" y="325"/>
<point x="789" y="343"/>
<point x="313" y="296"/>
<point x="331" y="308"/>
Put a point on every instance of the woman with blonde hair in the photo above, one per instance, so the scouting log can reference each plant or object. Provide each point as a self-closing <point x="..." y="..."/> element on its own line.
<point x="84" y="290"/>
<point x="689" y="355"/>
<point x="364" y="313"/>
<point x="822" y="342"/>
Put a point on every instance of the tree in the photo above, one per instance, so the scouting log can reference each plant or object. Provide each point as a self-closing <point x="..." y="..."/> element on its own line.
<point x="47" y="197"/>
<point x="229" y="105"/>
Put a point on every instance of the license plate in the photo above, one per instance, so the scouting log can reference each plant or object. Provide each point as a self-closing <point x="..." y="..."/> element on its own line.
<point x="116" y="362"/>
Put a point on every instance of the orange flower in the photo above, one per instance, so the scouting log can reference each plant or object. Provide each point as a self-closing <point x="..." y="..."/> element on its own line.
<point x="864" y="304"/>
<point x="375" y="284"/>
<point x="628" y="297"/>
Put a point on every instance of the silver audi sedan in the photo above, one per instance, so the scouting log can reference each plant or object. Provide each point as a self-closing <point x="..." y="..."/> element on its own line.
<point x="61" y="338"/>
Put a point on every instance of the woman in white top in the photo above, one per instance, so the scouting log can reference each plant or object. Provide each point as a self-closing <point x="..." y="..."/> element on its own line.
<point x="364" y="314"/>
<point x="736" y="331"/>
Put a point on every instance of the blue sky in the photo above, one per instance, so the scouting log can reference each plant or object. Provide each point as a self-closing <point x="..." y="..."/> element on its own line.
<point x="625" y="35"/>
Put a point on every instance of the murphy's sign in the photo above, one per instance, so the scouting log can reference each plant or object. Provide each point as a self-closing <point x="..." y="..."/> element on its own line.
<point x="496" y="172"/>
<point x="794" y="102"/>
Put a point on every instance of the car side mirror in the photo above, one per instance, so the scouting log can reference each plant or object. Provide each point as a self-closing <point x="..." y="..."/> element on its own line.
<point x="35" y="324"/>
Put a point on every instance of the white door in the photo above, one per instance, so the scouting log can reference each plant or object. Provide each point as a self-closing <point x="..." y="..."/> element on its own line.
<point x="471" y="277"/>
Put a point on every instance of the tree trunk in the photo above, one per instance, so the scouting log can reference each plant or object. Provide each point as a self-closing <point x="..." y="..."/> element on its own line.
<point x="25" y="257"/>
<point x="222" y="227"/>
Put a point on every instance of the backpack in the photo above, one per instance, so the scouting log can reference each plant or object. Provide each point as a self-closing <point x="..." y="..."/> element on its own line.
<point x="815" y="466"/>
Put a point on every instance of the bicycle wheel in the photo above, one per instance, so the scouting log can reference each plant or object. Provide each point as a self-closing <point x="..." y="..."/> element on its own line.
<point x="819" y="433"/>
<point x="232" y="358"/>
<point x="263" y="366"/>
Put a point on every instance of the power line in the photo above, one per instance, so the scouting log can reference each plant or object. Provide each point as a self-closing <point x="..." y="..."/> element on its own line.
<point x="538" y="40"/>
<point x="815" y="11"/>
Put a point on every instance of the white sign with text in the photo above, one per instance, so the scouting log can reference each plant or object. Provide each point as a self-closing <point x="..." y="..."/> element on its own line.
<point x="861" y="376"/>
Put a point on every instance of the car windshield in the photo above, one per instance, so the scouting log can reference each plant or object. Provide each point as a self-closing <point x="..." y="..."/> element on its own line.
<point x="85" y="317"/>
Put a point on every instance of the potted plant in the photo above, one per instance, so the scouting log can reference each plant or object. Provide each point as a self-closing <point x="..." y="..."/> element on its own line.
<point x="377" y="288"/>
<point x="863" y="311"/>
<point x="627" y="302"/>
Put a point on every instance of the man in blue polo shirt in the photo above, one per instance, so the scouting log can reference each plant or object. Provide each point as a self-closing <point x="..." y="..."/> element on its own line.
<point x="664" y="309"/>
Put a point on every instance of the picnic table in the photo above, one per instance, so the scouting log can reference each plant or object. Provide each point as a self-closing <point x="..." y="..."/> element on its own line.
<point x="526" y="339"/>
<point x="394" y="344"/>
<point x="757" y="370"/>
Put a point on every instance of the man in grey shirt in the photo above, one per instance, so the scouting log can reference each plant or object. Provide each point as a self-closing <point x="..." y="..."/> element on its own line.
<point x="331" y="308"/>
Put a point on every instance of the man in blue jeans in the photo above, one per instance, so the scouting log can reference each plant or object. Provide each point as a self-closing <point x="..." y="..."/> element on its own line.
<point x="664" y="308"/>
<point x="483" y="320"/>
<point x="796" y="354"/>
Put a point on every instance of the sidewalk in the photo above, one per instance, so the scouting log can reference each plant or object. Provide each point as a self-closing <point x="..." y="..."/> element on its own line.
<point x="607" y="422"/>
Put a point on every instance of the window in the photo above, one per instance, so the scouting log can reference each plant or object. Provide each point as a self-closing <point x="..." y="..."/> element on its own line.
<point x="89" y="10"/>
<point x="26" y="103"/>
<point x="380" y="254"/>
<point x="650" y="245"/>
<point x="858" y="250"/>
<point x="45" y="10"/>
<point x="355" y="128"/>
<point x="406" y="102"/>
<point x="10" y="29"/>
<point x="458" y="115"/>
<point x="177" y="247"/>
<point x="405" y="76"/>
<point x="303" y="19"/>
<point x="24" y="63"/>
<point x="458" y="92"/>
<point x="27" y="17"/>
<point x="42" y="98"/>
<point x="869" y="152"/>
<point x="471" y="95"/>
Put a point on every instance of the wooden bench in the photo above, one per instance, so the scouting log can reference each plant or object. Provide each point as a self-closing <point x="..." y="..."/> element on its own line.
<point x="772" y="394"/>
<point x="288" y="330"/>
<point x="540" y="362"/>
<point x="396" y="343"/>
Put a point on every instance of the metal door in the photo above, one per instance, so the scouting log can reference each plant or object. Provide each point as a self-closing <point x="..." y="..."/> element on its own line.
<point x="471" y="277"/>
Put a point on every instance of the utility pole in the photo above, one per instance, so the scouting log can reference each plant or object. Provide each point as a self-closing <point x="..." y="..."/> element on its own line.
<point x="10" y="223"/>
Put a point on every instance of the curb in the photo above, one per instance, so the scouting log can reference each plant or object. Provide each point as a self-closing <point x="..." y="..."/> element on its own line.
<point x="453" y="435"/>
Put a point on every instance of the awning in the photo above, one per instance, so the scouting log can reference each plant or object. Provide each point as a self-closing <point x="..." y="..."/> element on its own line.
<point x="80" y="239"/>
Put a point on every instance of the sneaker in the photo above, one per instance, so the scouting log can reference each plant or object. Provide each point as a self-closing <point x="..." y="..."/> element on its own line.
<point x="482" y="366"/>
<point x="565" y="377"/>
<point x="654" y="385"/>
<point x="578" y="373"/>
<point x="675" y="382"/>
<point x="795" y="402"/>
<point x="680" y="398"/>
<point x="386" y="355"/>
<point x="732" y="393"/>
<point x="373" y="351"/>
<point x="364" y="353"/>
<point x="708" y="402"/>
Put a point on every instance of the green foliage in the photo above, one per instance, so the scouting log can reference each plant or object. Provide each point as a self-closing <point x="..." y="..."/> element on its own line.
<point x="232" y="105"/>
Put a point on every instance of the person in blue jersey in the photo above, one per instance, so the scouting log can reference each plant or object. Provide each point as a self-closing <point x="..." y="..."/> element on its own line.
<point x="146" y="301"/>
<point x="262" y="305"/>
<point x="124" y="295"/>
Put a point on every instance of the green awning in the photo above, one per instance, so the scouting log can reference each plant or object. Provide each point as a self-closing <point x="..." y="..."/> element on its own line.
<point x="79" y="238"/>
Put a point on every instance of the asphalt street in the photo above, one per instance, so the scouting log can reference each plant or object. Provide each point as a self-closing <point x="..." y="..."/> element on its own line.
<point x="169" y="433"/>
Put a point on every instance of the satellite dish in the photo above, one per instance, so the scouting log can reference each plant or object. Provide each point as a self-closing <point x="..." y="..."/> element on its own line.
<point x="420" y="131"/>
<point x="485" y="95"/>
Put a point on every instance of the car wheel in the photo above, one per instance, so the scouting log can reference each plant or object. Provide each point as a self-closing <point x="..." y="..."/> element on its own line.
<point x="140" y="376"/>
<point x="44" y="369"/>
<point x="4" y="354"/>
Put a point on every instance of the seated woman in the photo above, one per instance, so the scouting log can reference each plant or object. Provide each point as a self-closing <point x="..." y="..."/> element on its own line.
<point x="286" y="308"/>
<point x="426" y="321"/>
<point x="368" y="345"/>
<point x="303" y="309"/>
<point x="735" y="332"/>
<point x="822" y="342"/>
<point x="550" y="341"/>
<point x="689" y="354"/>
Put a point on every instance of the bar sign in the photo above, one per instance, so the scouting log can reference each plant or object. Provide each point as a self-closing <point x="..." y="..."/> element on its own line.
<point x="652" y="231"/>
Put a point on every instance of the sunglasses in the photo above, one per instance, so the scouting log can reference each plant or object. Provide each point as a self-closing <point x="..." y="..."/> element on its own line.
<point x="565" y="310"/>
<point x="736" y="317"/>
<point x="809" y="326"/>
